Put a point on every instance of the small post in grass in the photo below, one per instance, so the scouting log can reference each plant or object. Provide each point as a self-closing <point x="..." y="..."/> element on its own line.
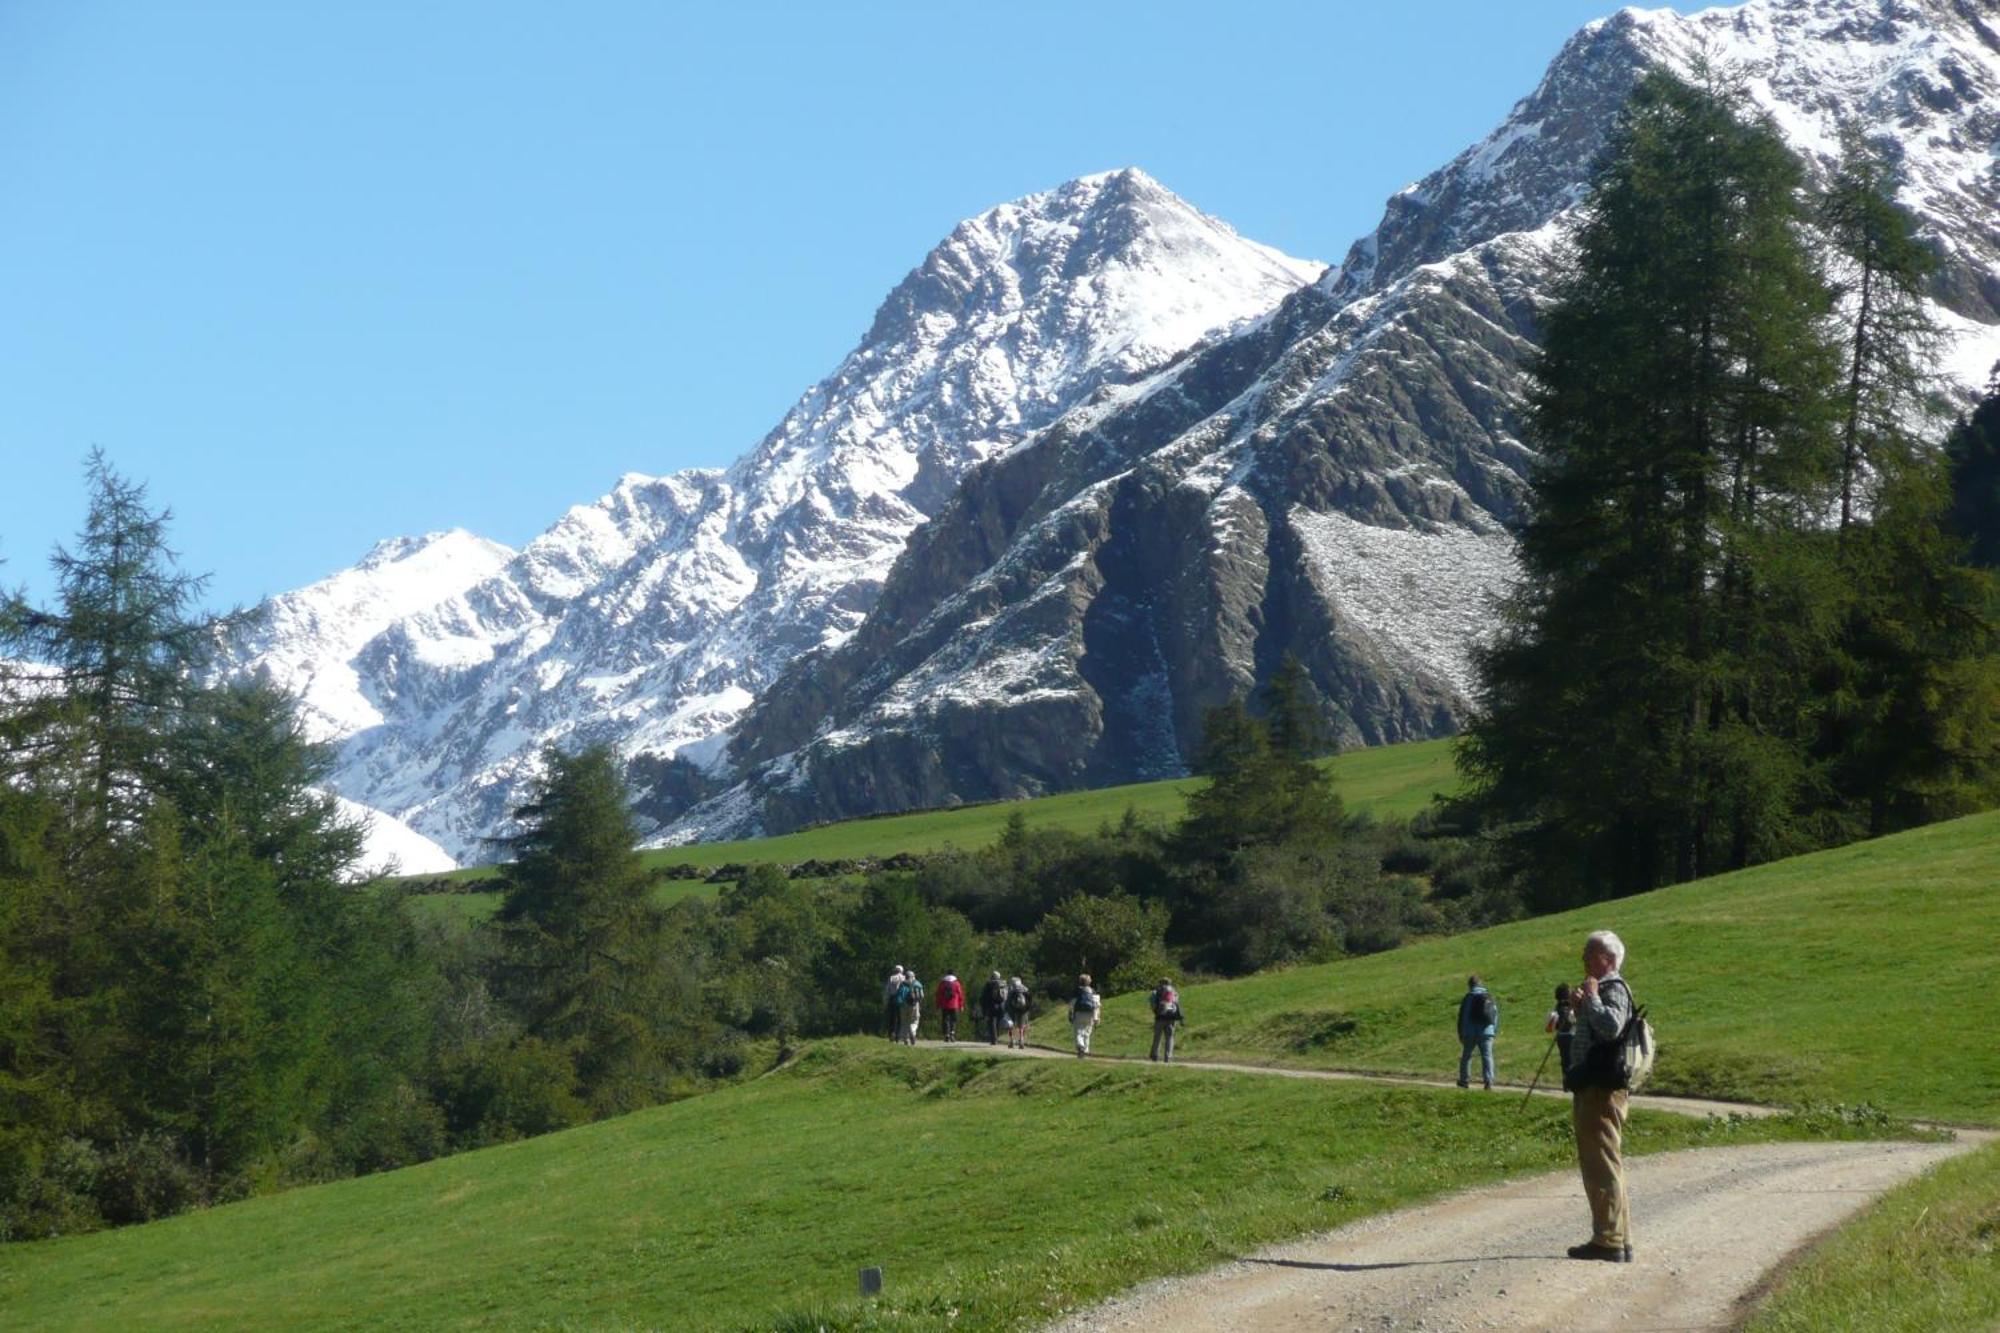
<point x="871" y="1282"/>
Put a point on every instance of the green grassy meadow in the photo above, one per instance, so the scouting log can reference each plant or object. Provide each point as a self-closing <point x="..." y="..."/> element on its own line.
<point x="1844" y="976"/>
<point x="1386" y="781"/>
<point x="994" y="1193"/>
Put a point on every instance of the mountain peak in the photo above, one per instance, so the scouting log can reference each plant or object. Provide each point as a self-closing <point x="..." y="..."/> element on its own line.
<point x="1062" y="247"/>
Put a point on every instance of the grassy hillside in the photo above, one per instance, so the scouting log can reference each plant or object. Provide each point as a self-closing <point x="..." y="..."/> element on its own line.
<point x="992" y="1192"/>
<point x="1389" y="780"/>
<point x="1858" y="974"/>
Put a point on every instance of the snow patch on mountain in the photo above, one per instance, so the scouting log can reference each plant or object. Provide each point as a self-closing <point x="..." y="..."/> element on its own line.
<point x="392" y="847"/>
<point x="1426" y="597"/>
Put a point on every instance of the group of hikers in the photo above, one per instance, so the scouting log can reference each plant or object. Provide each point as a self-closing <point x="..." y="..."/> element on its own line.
<point x="1589" y="1022"/>
<point x="1005" y="1007"/>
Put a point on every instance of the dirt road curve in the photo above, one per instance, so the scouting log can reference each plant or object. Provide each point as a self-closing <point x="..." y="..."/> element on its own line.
<point x="1707" y="1224"/>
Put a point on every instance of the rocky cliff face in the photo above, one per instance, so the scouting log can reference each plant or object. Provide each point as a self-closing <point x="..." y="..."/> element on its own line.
<point x="651" y="618"/>
<point x="1335" y="480"/>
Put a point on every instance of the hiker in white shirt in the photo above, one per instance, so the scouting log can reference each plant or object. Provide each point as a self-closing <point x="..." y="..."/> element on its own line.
<point x="1083" y="1014"/>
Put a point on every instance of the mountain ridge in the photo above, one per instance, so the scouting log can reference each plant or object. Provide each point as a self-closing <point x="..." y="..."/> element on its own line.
<point x="650" y="618"/>
<point x="1340" y="489"/>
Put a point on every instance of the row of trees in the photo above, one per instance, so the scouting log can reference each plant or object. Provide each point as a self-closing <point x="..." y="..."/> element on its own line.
<point x="198" y="1001"/>
<point x="1751" y="621"/>
<point x="189" y="997"/>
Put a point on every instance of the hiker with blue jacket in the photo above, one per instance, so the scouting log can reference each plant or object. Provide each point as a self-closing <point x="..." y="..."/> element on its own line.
<point x="1478" y="1020"/>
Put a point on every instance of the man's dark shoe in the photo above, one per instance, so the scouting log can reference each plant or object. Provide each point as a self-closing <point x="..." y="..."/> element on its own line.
<point x="1610" y="1254"/>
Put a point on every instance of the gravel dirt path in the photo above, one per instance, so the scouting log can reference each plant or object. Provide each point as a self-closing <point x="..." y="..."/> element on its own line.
<point x="1644" y="1102"/>
<point x="1708" y="1225"/>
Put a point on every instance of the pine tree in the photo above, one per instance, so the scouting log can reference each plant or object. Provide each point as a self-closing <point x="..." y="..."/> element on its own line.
<point x="122" y="649"/>
<point x="580" y="940"/>
<point x="1908" y="727"/>
<point x="1642" y="705"/>
<point x="1881" y="268"/>
<point x="1974" y="454"/>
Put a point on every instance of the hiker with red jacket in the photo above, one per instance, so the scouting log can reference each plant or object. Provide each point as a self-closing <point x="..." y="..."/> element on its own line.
<point x="950" y="1002"/>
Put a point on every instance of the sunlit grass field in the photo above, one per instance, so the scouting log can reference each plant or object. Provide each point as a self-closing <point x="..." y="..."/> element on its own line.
<point x="1859" y="974"/>
<point x="994" y="1193"/>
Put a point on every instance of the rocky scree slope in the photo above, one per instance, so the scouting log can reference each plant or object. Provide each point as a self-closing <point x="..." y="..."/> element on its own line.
<point x="651" y="618"/>
<point x="1337" y="479"/>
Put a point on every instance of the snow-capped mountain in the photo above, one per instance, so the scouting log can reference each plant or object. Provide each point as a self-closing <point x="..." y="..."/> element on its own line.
<point x="652" y="617"/>
<point x="1337" y="478"/>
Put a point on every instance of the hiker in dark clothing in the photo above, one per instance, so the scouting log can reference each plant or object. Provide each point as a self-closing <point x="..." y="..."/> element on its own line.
<point x="1561" y="1024"/>
<point x="892" y="1003"/>
<point x="1478" y="1020"/>
<point x="1166" y="1002"/>
<point x="993" y="1006"/>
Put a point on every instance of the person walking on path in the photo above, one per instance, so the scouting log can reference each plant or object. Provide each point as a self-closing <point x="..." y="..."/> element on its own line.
<point x="1166" y="1003"/>
<point x="1478" y="1020"/>
<point x="1561" y="1025"/>
<point x="892" y="1004"/>
<point x="993" y="1007"/>
<point x="1602" y="1006"/>
<point x="1083" y="1014"/>
<point x="1019" y="1001"/>
<point x="913" y="1007"/>
<point x="950" y="1000"/>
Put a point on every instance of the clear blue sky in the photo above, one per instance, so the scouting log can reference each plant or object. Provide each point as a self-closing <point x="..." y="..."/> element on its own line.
<point x="325" y="273"/>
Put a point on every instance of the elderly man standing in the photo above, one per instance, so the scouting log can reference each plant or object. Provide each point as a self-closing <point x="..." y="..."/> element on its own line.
<point x="1603" y="1006"/>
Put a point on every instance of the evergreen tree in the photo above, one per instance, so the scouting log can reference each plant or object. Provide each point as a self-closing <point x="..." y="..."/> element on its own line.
<point x="188" y="989"/>
<point x="120" y="651"/>
<point x="581" y="943"/>
<point x="1908" y="727"/>
<point x="1974" y="454"/>
<point x="1642" y="707"/>
<point x="1881" y="267"/>
<point x="1264" y="786"/>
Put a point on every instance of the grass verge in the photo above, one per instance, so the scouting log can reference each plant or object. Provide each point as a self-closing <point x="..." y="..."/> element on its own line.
<point x="1817" y="979"/>
<point x="1923" y="1257"/>
<point x="995" y="1194"/>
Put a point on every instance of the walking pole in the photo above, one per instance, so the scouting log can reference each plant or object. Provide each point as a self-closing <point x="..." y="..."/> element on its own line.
<point x="1538" y="1073"/>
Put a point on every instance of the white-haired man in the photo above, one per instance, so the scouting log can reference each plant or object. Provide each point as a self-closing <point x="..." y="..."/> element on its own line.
<point x="1603" y="1005"/>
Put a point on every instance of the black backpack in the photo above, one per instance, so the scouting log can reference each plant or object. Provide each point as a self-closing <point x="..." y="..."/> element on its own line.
<point x="1489" y="1010"/>
<point x="1017" y="1000"/>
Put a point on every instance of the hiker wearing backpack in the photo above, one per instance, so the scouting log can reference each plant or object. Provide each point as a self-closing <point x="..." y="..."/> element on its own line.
<point x="912" y="1000"/>
<point x="1561" y="1023"/>
<point x="1166" y="1003"/>
<point x="1015" y="1015"/>
<point x="993" y="1007"/>
<point x="950" y="1000"/>
<point x="1083" y="1014"/>
<point x="1603" y="1010"/>
<point x="1478" y="1020"/>
<point x="892" y="1004"/>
